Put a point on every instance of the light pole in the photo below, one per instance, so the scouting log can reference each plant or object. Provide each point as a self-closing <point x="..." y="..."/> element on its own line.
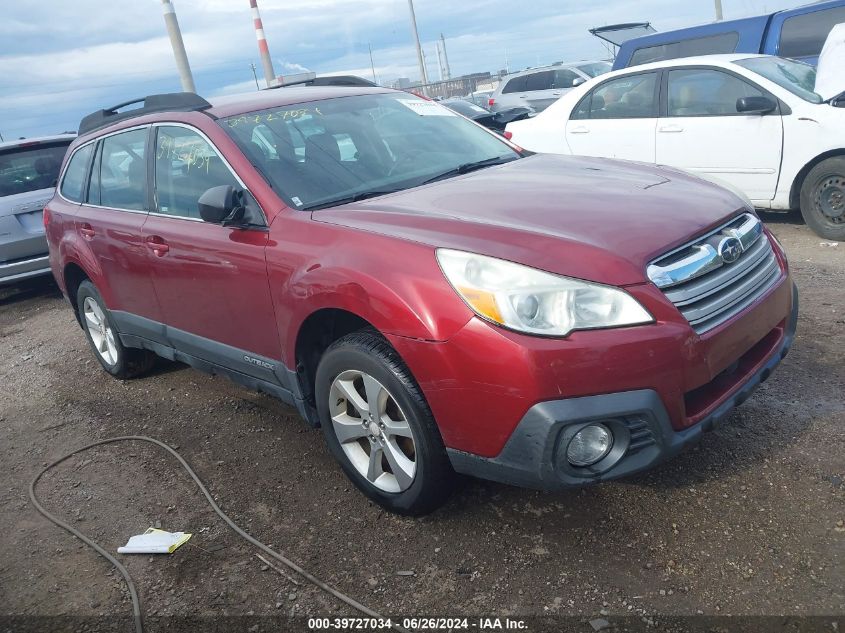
<point x="266" y="62"/>
<point x="423" y="74"/>
<point x="718" y="10"/>
<point x="178" y="46"/>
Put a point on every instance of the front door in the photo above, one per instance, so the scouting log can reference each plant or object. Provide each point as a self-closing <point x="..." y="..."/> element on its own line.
<point x="211" y="280"/>
<point x="704" y="133"/>
<point x="616" y="119"/>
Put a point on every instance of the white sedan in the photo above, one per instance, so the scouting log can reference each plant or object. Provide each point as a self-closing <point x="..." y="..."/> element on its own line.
<point x="752" y="121"/>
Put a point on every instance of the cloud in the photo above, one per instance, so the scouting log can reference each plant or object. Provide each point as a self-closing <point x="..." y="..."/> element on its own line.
<point x="61" y="60"/>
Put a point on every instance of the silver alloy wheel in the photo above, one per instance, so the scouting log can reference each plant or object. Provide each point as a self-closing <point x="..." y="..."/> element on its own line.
<point x="98" y="328"/>
<point x="373" y="431"/>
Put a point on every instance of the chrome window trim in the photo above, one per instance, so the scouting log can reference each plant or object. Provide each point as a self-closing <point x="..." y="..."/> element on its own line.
<point x="214" y="148"/>
<point x="706" y="257"/>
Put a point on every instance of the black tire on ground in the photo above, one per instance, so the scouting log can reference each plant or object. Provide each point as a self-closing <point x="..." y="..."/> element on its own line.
<point x="127" y="362"/>
<point x="369" y="353"/>
<point x="823" y="199"/>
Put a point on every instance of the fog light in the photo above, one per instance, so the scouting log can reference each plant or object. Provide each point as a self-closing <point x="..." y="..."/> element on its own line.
<point x="589" y="445"/>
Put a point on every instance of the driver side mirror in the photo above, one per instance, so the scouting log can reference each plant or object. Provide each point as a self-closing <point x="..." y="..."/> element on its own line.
<point x="577" y="81"/>
<point x="755" y="105"/>
<point x="222" y="205"/>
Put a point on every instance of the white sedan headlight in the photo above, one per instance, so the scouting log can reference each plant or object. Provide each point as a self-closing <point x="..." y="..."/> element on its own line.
<point x="536" y="302"/>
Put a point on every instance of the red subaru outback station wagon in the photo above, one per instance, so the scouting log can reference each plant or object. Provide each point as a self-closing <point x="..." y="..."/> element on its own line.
<point x="438" y="300"/>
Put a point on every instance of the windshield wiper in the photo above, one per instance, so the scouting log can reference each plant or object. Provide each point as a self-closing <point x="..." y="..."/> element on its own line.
<point x="355" y="197"/>
<point x="468" y="167"/>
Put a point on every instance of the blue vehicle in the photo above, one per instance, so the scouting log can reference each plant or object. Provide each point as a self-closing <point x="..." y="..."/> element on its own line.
<point x="798" y="33"/>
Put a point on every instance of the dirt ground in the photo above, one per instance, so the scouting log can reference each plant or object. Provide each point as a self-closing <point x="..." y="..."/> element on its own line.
<point x="750" y="522"/>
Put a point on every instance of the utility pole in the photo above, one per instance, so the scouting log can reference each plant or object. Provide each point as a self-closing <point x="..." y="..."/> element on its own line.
<point x="718" y="10"/>
<point x="266" y="62"/>
<point x="254" y="76"/>
<point x="423" y="74"/>
<point x="445" y="57"/>
<point x="178" y="45"/>
<point x="372" y="65"/>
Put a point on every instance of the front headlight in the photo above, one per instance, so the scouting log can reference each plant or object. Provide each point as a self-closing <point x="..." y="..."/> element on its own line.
<point x="536" y="302"/>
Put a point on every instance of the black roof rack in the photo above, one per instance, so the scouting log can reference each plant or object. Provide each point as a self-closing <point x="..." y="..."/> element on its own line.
<point x="167" y="102"/>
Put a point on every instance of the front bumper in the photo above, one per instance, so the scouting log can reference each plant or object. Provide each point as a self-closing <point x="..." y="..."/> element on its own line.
<point x="643" y="433"/>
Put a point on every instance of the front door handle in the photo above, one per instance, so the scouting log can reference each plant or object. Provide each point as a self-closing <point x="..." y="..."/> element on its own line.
<point x="581" y="129"/>
<point x="158" y="245"/>
<point x="86" y="231"/>
<point x="669" y="129"/>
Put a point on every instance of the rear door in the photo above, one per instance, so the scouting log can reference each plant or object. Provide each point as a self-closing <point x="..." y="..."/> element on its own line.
<point x="109" y="221"/>
<point x="703" y="132"/>
<point x="211" y="280"/>
<point x="617" y="119"/>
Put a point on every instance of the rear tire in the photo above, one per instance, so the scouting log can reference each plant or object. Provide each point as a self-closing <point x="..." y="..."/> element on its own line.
<point x="823" y="199"/>
<point x="379" y="427"/>
<point x="119" y="361"/>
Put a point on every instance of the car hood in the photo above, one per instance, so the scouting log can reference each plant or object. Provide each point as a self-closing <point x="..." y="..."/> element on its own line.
<point x="596" y="219"/>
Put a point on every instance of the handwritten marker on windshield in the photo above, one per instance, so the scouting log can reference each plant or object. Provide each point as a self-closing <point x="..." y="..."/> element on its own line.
<point x="266" y="62"/>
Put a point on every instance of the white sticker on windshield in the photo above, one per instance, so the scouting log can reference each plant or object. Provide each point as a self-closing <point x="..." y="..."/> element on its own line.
<point x="426" y="108"/>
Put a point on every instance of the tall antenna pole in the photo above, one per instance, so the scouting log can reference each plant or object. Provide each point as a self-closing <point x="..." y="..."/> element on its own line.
<point x="178" y="45"/>
<point x="445" y="58"/>
<point x="423" y="74"/>
<point x="718" y="10"/>
<point x="266" y="62"/>
<point x="372" y="65"/>
<point x="254" y="76"/>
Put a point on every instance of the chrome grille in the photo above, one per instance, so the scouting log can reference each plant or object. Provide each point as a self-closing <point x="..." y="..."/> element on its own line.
<point x="719" y="274"/>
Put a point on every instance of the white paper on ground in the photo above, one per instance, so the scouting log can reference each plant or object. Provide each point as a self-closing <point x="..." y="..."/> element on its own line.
<point x="154" y="541"/>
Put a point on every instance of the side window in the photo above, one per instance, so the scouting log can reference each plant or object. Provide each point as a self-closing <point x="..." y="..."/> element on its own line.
<point x="564" y="78"/>
<point x="705" y="92"/>
<point x="186" y="166"/>
<point x="629" y="97"/>
<point x="77" y="169"/>
<point x="123" y="171"/>
<point x="540" y="81"/>
<point x="582" y="110"/>
<point x="517" y="84"/>
<point x="707" y="45"/>
<point x="804" y="35"/>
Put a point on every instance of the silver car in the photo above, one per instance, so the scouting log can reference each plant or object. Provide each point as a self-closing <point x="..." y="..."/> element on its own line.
<point x="539" y="88"/>
<point x="28" y="172"/>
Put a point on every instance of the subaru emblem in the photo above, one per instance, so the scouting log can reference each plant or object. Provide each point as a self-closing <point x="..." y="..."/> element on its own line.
<point x="730" y="249"/>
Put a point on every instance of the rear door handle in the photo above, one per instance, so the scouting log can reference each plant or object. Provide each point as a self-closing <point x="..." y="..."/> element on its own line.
<point x="86" y="231"/>
<point x="668" y="129"/>
<point x="158" y="245"/>
<point x="580" y="130"/>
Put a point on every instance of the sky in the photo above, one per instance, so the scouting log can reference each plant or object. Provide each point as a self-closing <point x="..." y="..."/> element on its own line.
<point x="61" y="59"/>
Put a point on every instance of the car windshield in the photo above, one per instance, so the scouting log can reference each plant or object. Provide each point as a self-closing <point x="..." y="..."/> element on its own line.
<point x="334" y="151"/>
<point x="30" y="167"/>
<point x="798" y="78"/>
<point x="594" y="69"/>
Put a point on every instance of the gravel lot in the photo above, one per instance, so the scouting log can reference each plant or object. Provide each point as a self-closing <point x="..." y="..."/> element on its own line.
<point x="749" y="522"/>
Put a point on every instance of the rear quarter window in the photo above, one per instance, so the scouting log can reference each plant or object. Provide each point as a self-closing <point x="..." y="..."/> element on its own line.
<point x="77" y="169"/>
<point x="804" y="35"/>
<point x="708" y="45"/>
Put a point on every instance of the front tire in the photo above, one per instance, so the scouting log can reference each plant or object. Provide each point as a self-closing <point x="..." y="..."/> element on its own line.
<point x="119" y="361"/>
<point x="823" y="199"/>
<point x="379" y="427"/>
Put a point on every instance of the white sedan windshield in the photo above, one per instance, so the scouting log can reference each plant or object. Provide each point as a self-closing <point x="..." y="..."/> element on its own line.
<point x="798" y="78"/>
